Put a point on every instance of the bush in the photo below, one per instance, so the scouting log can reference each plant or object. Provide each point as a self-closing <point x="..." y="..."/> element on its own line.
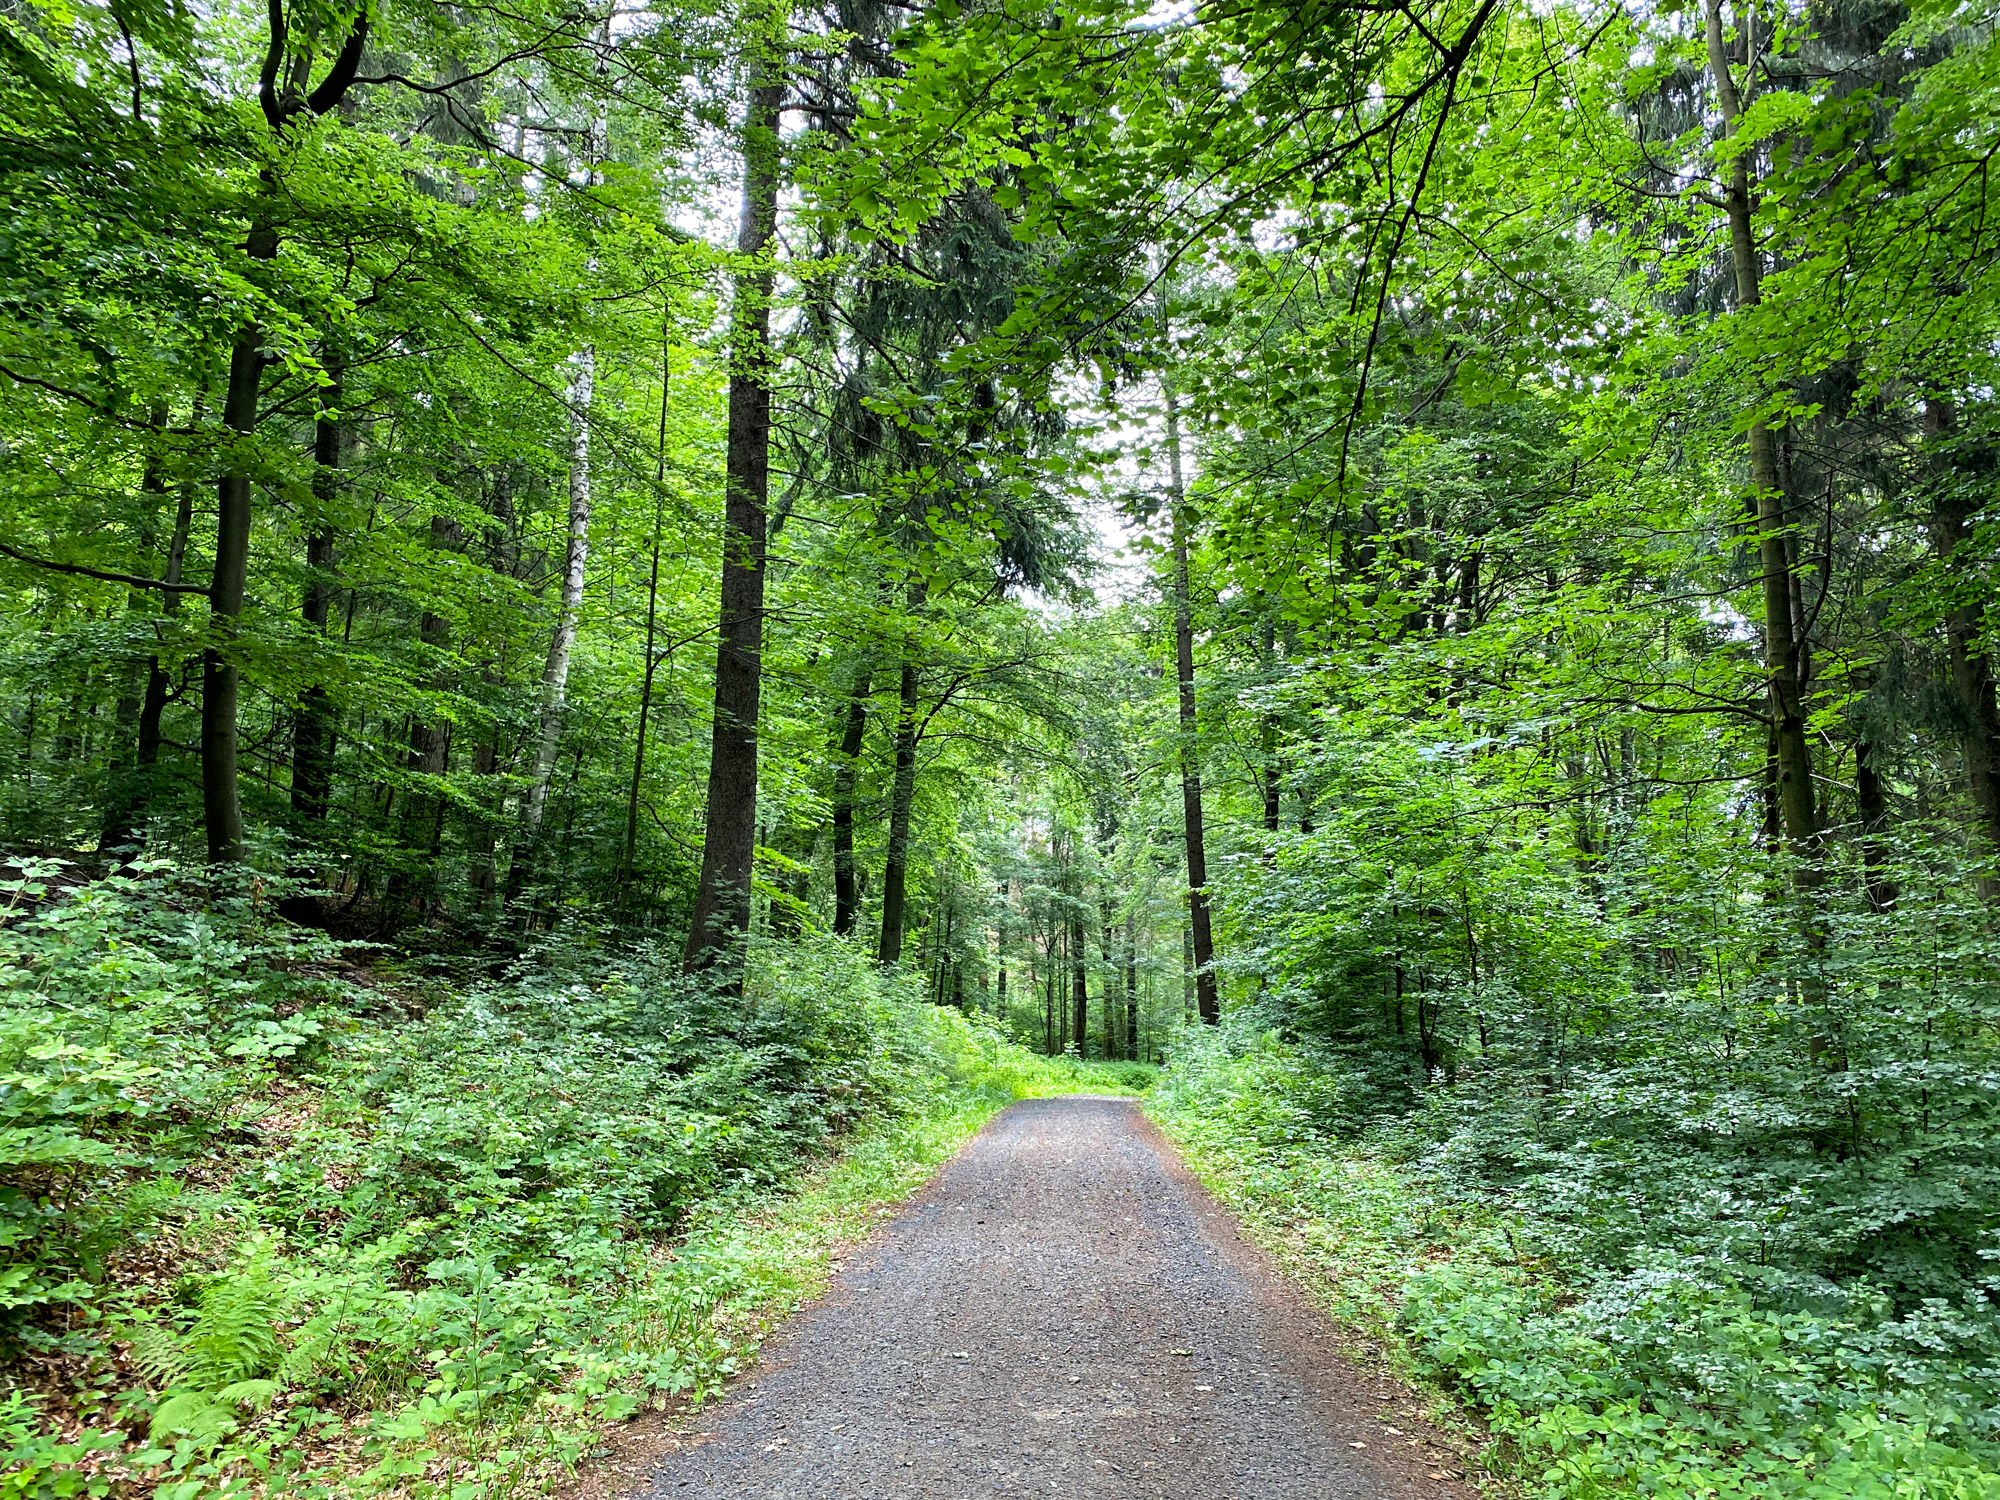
<point x="272" y="1218"/>
<point x="1676" y="1370"/>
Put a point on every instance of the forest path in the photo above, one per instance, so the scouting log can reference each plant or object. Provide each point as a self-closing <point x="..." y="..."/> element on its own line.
<point x="1063" y="1312"/>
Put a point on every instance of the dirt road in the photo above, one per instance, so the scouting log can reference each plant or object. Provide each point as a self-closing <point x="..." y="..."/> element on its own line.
<point x="1064" y="1313"/>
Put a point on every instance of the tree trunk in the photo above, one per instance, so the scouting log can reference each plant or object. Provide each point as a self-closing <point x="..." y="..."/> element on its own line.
<point x="1872" y="803"/>
<point x="555" y="670"/>
<point x="902" y="795"/>
<point x="429" y="755"/>
<point x="1108" y="996"/>
<point x="221" y="802"/>
<point x="1079" y="992"/>
<point x="1049" y="999"/>
<point x="627" y="861"/>
<point x="1797" y="804"/>
<point x="313" y="727"/>
<point x="125" y="790"/>
<point x="503" y="557"/>
<point x="159" y="688"/>
<point x="221" y="799"/>
<point x="1972" y="680"/>
<point x="729" y="848"/>
<point x="1207" y="999"/>
<point x="1270" y="783"/>
<point x="846" y="888"/>
<point x="1132" y="990"/>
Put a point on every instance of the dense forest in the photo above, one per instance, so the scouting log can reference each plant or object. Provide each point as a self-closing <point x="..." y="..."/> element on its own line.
<point x="601" y="602"/>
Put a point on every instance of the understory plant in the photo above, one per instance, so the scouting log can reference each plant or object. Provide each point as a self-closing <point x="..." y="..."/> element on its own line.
<point x="273" y="1221"/>
<point x="1657" y="1361"/>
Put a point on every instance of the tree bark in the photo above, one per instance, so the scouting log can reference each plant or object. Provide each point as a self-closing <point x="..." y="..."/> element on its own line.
<point x="221" y="799"/>
<point x="221" y="802"/>
<point x="628" y="858"/>
<point x="1269" y="781"/>
<point x="721" y="917"/>
<point x="125" y="788"/>
<point x="1132" y="990"/>
<point x="1108" y="997"/>
<point x="846" y="775"/>
<point x="1207" y="999"/>
<point x="1797" y="802"/>
<point x="902" y="797"/>
<point x="482" y="836"/>
<point x="1972" y="678"/>
<point x="1079" y="993"/>
<point x="429" y="753"/>
<point x="1872" y="803"/>
<point x="159" y="688"/>
<point x="313" y="727"/>
<point x="555" y="670"/>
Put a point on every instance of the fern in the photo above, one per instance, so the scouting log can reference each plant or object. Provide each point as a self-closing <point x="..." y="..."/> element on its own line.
<point x="230" y="1338"/>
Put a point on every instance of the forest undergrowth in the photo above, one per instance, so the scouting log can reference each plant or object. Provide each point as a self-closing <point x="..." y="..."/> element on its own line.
<point x="280" y="1215"/>
<point x="1597" y="1363"/>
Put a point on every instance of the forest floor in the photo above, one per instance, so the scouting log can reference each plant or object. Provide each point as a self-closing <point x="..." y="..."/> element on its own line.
<point x="1063" y="1311"/>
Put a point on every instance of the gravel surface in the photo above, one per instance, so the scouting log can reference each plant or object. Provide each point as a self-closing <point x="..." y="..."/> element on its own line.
<point x="1063" y="1312"/>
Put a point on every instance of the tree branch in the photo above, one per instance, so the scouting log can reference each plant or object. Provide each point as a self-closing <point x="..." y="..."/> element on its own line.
<point x="128" y="579"/>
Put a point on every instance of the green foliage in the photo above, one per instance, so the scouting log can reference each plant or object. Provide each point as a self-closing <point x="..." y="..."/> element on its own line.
<point x="1669" y="1367"/>
<point x="462" y="1223"/>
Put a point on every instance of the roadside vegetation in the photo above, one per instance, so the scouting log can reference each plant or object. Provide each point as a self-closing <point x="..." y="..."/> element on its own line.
<point x="287" y="1217"/>
<point x="1608" y="1303"/>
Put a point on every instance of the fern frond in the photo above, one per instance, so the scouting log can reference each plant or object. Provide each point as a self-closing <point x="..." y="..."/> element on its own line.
<point x="158" y="1353"/>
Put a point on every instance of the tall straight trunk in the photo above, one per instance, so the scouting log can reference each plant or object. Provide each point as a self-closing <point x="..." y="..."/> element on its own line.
<point x="846" y="888"/>
<point x="627" y="860"/>
<point x="1797" y="804"/>
<point x="1132" y="990"/>
<point x="503" y="557"/>
<point x="1108" y="997"/>
<point x="1872" y="803"/>
<point x="429" y="752"/>
<point x="729" y="848"/>
<point x="221" y="800"/>
<point x="1267" y="749"/>
<point x="1049" y="999"/>
<point x="555" y="669"/>
<point x="1207" y="1000"/>
<point x="313" y="725"/>
<point x="125" y="782"/>
<point x="1269" y="781"/>
<point x="902" y="795"/>
<point x="159" y="687"/>
<point x="1079" y="992"/>
<point x="1972" y="679"/>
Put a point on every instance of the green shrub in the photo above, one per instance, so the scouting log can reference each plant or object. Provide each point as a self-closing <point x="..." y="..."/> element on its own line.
<point x="1674" y="1371"/>
<point x="253" y="1200"/>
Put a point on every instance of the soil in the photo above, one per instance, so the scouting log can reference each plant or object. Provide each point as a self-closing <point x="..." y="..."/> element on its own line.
<point x="1063" y="1312"/>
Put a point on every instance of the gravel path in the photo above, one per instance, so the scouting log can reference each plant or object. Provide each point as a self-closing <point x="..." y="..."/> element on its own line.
<point x="1064" y="1312"/>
